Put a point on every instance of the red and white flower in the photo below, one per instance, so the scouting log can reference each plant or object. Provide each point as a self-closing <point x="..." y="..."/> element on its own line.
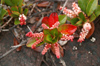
<point x="22" y="19"/>
<point x="72" y="14"/>
<point x="85" y="30"/>
<point x="68" y="12"/>
<point x="57" y="50"/>
<point x="76" y="8"/>
<point x="67" y="37"/>
<point x="46" y="48"/>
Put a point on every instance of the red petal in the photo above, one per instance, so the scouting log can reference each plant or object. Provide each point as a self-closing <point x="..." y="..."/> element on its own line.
<point x="45" y="20"/>
<point x="67" y="29"/>
<point x="53" y="19"/>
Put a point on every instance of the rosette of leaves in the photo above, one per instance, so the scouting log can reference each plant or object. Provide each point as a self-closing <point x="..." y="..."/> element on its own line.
<point x="52" y="36"/>
<point x="90" y="11"/>
<point x="15" y="9"/>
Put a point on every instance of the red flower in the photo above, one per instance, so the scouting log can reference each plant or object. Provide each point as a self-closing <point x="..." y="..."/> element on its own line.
<point x="85" y="30"/>
<point x="22" y="19"/>
<point x="46" y="48"/>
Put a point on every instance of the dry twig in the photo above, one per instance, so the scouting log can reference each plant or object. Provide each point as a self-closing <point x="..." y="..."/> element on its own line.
<point x="7" y="22"/>
<point x="63" y="6"/>
<point x="5" y="54"/>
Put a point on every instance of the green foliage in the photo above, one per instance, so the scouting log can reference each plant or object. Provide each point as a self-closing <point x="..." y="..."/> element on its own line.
<point x="92" y="5"/>
<point x="90" y="8"/>
<point x="83" y="4"/>
<point x="74" y="21"/>
<point x="30" y="42"/>
<point x="15" y="13"/>
<point x="14" y="2"/>
<point x="16" y="22"/>
<point x="40" y="44"/>
<point x="62" y="19"/>
<point x="46" y="31"/>
<point x="82" y="17"/>
<point x="2" y="12"/>
<point x="79" y="23"/>
<point x="93" y="17"/>
<point x="25" y="11"/>
<point x="97" y="11"/>
<point x="20" y="10"/>
<point x="51" y="36"/>
<point x="14" y="8"/>
<point x="99" y="2"/>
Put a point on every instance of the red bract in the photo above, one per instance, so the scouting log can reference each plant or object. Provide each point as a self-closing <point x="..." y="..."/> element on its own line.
<point x="67" y="29"/>
<point x="45" y="20"/>
<point x="50" y="21"/>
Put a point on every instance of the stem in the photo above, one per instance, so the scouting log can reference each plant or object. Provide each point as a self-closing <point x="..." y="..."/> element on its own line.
<point x="29" y="28"/>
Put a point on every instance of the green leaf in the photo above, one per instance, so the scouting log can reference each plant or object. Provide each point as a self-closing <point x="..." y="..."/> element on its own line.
<point x="20" y="2"/>
<point x="93" y="17"/>
<point x="49" y="38"/>
<point x="79" y="23"/>
<point x="74" y="21"/>
<point x="92" y="5"/>
<point x="54" y="40"/>
<point x="83" y="4"/>
<point x="40" y="44"/>
<point x="97" y="11"/>
<point x="68" y="18"/>
<point x="46" y="31"/>
<point x="14" y="8"/>
<point x="59" y="36"/>
<point x="15" y="13"/>
<point x="81" y="15"/>
<point x="54" y="32"/>
<point x="25" y="11"/>
<point x="15" y="2"/>
<point x="16" y="22"/>
<point x="2" y="12"/>
<point x="62" y="19"/>
<point x="20" y="10"/>
<point x="99" y="2"/>
<point x="30" y="42"/>
<point x="9" y="2"/>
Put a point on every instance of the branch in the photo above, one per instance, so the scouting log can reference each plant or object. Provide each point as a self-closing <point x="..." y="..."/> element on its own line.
<point x="63" y="62"/>
<point x="7" y="22"/>
<point x="63" y="6"/>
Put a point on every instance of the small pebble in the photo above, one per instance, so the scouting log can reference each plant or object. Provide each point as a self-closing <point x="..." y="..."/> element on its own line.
<point x="74" y="48"/>
<point x="62" y="43"/>
<point x="93" y="39"/>
<point x="39" y="29"/>
<point x="89" y="52"/>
